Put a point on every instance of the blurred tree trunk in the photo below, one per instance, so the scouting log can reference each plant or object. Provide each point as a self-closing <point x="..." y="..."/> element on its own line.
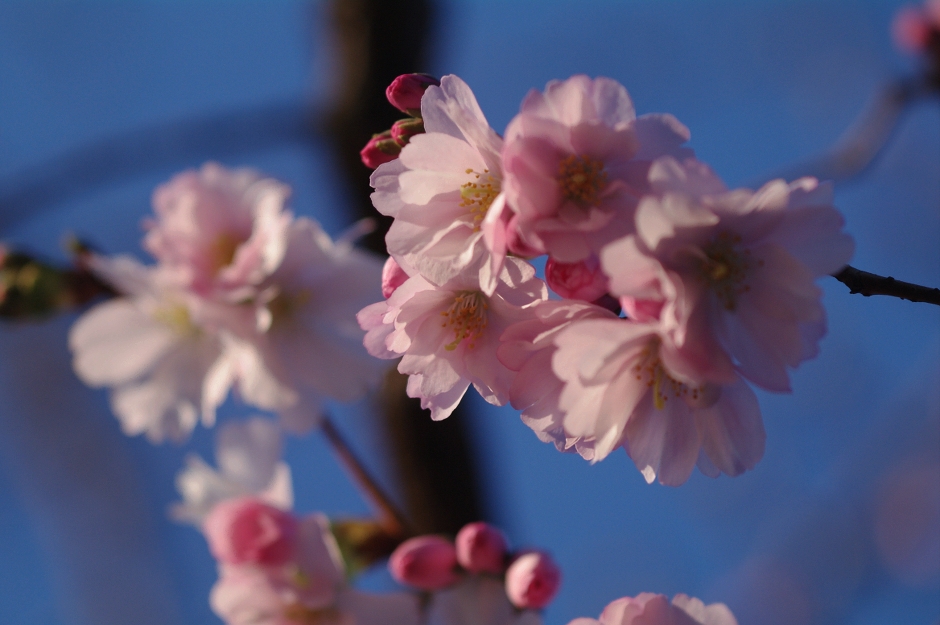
<point x="378" y="40"/>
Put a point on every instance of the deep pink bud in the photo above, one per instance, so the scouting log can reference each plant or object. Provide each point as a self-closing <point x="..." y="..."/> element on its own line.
<point x="425" y="562"/>
<point x="393" y="276"/>
<point x="380" y="149"/>
<point x="911" y="29"/>
<point x="481" y="548"/>
<point x="582" y="280"/>
<point x="532" y="580"/>
<point x="404" y="129"/>
<point x="516" y="244"/>
<point x="247" y="530"/>
<point x="405" y="92"/>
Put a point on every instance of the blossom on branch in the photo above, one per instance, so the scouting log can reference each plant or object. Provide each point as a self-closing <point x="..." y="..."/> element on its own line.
<point x="651" y="609"/>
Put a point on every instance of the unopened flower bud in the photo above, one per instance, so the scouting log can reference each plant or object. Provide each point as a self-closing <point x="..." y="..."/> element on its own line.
<point x="516" y="244"/>
<point x="247" y="530"/>
<point x="393" y="276"/>
<point x="404" y="129"/>
<point x="405" y="92"/>
<point x="481" y="548"/>
<point x="424" y="562"/>
<point x="582" y="280"/>
<point x="380" y="149"/>
<point x="532" y="580"/>
<point x="911" y="29"/>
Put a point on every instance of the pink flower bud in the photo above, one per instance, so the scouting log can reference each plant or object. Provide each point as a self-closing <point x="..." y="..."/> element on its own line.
<point x="247" y="530"/>
<point x="405" y="92"/>
<point x="911" y="29"/>
<point x="481" y="548"/>
<point x="404" y="129"/>
<point x="516" y="244"/>
<point x="393" y="276"/>
<point x="642" y="310"/>
<point x="425" y="562"/>
<point x="532" y="580"/>
<point x="380" y="149"/>
<point x="582" y="280"/>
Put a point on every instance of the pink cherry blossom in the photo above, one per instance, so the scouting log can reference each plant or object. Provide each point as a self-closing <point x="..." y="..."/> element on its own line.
<point x="575" y="160"/>
<point x="619" y="389"/>
<point x="247" y="530"/>
<point x="650" y="609"/>
<point x="425" y="562"/>
<point x="219" y="229"/>
<point x="532" y="580"/>
<point x="153" y="347"/>
<point x="448" y="335"/>
<point x="734" y="271"/>
<point x="442" y="188"/>
<point x="300" y="344"/>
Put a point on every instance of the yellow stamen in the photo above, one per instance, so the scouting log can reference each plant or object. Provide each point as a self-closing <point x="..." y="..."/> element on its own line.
<point x="726" y="267"/>
<point x="467" y="316"/>
<point x="581" y="179"/>
<point x="176" y="316"/>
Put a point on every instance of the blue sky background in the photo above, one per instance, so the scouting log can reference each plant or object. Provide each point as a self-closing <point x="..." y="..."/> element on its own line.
<point x="84" y="537"/>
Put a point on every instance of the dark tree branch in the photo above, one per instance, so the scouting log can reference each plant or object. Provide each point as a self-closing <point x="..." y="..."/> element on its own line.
<point x="869" y="284"/>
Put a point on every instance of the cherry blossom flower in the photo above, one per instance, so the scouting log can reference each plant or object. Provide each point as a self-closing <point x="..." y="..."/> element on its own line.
<point x="730" y="274"/>
<point x="248" y="454"/>
<point x="443" y="188"/>
<point x="153" y="347"/>
<point x="575" y="159"/>
<point x="650" y="609"/>
<point x="302" y="344"/>
<point x="448" y="335"/>
<point x="309" y="587"/>
<point x="221" y="231"/>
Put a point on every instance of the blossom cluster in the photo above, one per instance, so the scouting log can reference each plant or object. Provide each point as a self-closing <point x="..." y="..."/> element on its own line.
<point x="671" y="294"/>
<point x="243" y="296"/>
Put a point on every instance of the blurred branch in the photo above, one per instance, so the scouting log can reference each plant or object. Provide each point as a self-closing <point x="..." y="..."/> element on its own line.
<point x="869" y="284"/>
<point x="173" y="144"/>
<point x="866" y="138"/>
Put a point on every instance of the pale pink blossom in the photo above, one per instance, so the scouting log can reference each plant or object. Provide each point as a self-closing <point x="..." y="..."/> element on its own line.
<point x="248" y="455"/>
<point x="620" y="390"/>
<point x="443" y="188"/>
<point x="477" y="600"/>
<point x="575" y="161"/>
<point x="532" y="580"/>
<point x="309" y="588"/>
<point x="220" y="231"/>
<point x="730" y="274"/>
<point x="481" y="548"/>
<point x="425" y="562"/>
<point x="153" y="346"/>
<point x="651" y="609"/>
<point x="247" y="530"/>
<point x="301" y="344"/>
<point x="448" y="335"/>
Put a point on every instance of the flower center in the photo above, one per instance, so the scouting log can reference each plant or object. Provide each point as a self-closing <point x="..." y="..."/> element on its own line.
<point x="649" y="369"/>
<point x="478" y="194"/>
<point x="177" y="317"/>
<point x="284" y="305"/>
<point x="222" y="251"/>
<point x="581" y="179"/>
<point x="467" y="317"/>
<point x="725" y="268"/>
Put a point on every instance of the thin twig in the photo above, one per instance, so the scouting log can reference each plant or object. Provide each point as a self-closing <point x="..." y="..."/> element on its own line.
<point x="868" y="284"/>
<point x="392" y="520"/>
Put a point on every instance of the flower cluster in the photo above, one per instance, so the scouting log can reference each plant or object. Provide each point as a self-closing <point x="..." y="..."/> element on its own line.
<point x="243" y="296"/>
<point x="673" y="292"/>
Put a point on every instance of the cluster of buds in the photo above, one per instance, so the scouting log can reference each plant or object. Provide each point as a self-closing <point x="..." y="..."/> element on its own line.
<point x="433" y="563"/>
<point x="404" y="94"/>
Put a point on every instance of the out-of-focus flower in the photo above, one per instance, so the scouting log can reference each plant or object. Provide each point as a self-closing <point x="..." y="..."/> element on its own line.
<point x="733" y="271"/>
<point x="583" y="280"/>
<point x="406" y="90"/>
<point x="248" y="454"/>
<point x="914" y="27"/>
<point x="425" y="562"/>
<point x="481" y="548"/>
<point x="619" y="390"/>
<point x="532" y="580"/>
<point x="449" y="335"/>
<point x="442" y="189"/>
<point x="308" y="588"/>
<point x="153" y="346"/>
<point x="651" y="609"/>
<point x="247" y="530"/>
<point x="575" y="159"/>
<point x="219" y="230"/>
<point x="303" y="344"/>
<point x="477" y="600"/>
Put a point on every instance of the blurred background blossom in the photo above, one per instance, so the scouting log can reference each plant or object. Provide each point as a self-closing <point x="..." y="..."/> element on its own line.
<point x="840" y="522"/>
